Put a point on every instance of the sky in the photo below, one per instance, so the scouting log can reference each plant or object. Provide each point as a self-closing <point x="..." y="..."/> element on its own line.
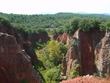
<point x="54" y="6"/>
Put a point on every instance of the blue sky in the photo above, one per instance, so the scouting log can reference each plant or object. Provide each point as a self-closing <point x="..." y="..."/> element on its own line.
<point x="54" y="6"/>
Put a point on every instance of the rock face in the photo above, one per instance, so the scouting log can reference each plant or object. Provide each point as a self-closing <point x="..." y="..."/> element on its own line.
<point x="102" y="58"/>
<point x="88" y="42"/>
<point x="87" y="79"/>
<point x="30" y="51"/>
<point x="15" y="64"/>
<point x="21" y="40"/>
<point x="72" y="59"/>
<point x="36" y="37"/>
<point x="64" y="38"/>
<point x="83" y="52"/>
<point x="12" y="31"/>
<point x="87" y="53"/>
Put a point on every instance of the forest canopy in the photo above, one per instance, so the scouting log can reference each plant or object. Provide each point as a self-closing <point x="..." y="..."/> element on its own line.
<point x="56" y="23"/>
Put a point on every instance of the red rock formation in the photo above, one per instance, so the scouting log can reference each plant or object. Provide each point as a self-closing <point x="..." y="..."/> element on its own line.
<point x="15" y="66"/>
<point x="36" y="37"/>
<point x="87" y="79"/>
<point x="64" y="38"/>
<point x="88" y="41"/>
<point x="85" y="51"/>
<point x="21" y="38"/>
<point x="102" y="53"/>
<point x="12" y="31"/>
<point x="72" y="59"/>
<point x="30" y="51"/>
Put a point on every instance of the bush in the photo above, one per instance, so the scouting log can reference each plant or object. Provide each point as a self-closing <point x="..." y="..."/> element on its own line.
<point x="96" y="23"/>
<point x="85" y="24"/>
<point x="72" y="26"/>
<point x="73" y="73"/>
<point x="59" y="30"/>
<point x="40" y="30"/>
<point x="4" y="21"/>
<point x="53" y="75"/>
<point x="102" y="27"/>
<point x="107" y="24"/>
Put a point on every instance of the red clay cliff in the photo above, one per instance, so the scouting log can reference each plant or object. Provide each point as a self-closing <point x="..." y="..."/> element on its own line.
<point x="15" y="64"/>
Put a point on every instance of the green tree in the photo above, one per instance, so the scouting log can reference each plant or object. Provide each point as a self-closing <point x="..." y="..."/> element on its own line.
<point x="53" y="48"/>
<point x="85" y="24"/>
<point x="96" y="23"/>
<point x="107" y="24"/>
<point x="72" y="26"/>
<point x="4" y="21"/>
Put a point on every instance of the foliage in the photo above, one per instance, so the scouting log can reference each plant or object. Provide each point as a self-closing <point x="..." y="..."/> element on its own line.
<point x="50" y="61"/>
<point x="55" y="49"/>
<point x="71" y="42"/>
<point x="102" y="27"/>
<point x="53" y="75"/>
<point x="73" y="73"/>
<point x="39" y="45"/>
<point x="55" y="23"/>
<point x="40" y="30"/>
<point x="85" y="24"/>
<point x="107" y="24"/>
<point x="96" y="23"/>
<point x="4" y="21"/>
<point x="72" y="26"/>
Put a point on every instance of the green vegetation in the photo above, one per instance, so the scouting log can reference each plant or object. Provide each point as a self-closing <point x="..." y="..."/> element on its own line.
<point x="50" y="54"/>
<point x="4" y="21"/>
<point x="50" y="61"/>
<point x="56" y="23"/>
<point x="73" y="73"/>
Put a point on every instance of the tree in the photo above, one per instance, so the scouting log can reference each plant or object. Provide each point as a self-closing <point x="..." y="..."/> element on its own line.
<point x="53" y="48"/>
<point x="96" y="23"/>
<point x="4" y="21"/>
<point x="107" y="24"/>
<point x="72" y="26"/>
<point x="85" y="24"/>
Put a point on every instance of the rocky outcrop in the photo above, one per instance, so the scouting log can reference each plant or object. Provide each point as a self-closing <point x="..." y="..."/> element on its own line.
<point x="87" y="52"/>
<point x="30" y="51"/>
<point x="64" y="38"/>
<point x="21" y="39"/>
<point x="72" y="60"/>
<point x="102" y="59"/>
<point x="12" y="31"/>
<point x="15" y="64"/>
<point x="43" y="37"/>
<point x="87" y="79"/>
<point x="88" y="42"/>
<point x="83" y="52"/>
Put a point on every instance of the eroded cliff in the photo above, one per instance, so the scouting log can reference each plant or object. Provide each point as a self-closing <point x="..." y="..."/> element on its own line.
<point x="15" y="64"/>
<point x="102" y="59"/>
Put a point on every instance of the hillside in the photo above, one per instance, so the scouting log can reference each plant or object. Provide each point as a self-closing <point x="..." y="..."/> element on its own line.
<point x="77" y="47"/>
<point x="48" y="20"/>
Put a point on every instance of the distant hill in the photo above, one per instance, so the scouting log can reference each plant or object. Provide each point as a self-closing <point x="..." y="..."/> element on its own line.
<point x="49" y="20"/>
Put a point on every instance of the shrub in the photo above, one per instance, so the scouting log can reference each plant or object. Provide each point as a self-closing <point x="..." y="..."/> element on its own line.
<point x="102" y="27"/>
<point x="72" y="26"/>
<point x="4" y="21"/>
<point x="85" y="24"/>
<point x="73" y="73"/>
<point x="107" y="24"/>
<point x="40" y="30"/>
<point x="53" y="74"/>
